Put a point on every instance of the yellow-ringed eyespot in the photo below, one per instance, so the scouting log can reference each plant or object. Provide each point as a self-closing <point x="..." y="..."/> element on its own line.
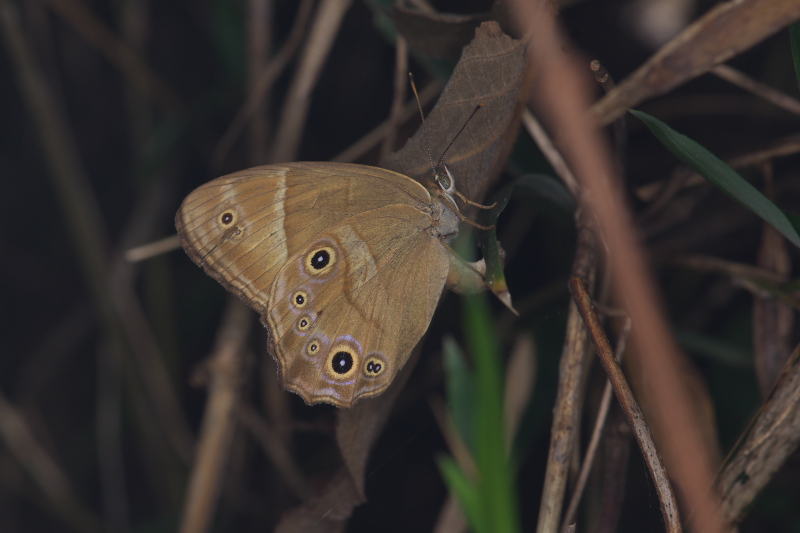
<point x="300" y="299"/>
<point x="313" y="347"/>
<point x="304" y="323"/>
<point x="342" y="361"/>
<point x="374" y="367"/>
<point x="320" y="260"/>
<point x="227" y="219"/>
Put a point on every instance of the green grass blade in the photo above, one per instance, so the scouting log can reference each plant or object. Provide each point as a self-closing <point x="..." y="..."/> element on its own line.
<point x="721" y="175"/>
<point x="794" y="34"/>
<point x="496" y="484"/>
<point x="467" y="494"/>
<point x="460" y="391"/>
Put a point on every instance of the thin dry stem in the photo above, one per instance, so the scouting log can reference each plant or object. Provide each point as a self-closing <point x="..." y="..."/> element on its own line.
<point x="669" y="506"/>
<point x="550" y="152"/>
<point x="274" y="448"/>
<point x="774" y="96"/>
<point x="324" y="29"/>
<point x="116" y="303"/>
<point x="266" y="79"/>
<point x="400" y="91"/>
<point x="152" y="249"/>
<point x="455" y="442"/>
<point x="219" y="420"/>
<point x="43" y="469"/>
<point x="597" y="432"/>
<point x="379" y="132"/>
<point x="122" y="56"/>
<point x="451" y="517"/>
<point x="567" y="410"/>
<point x="259" y="33"/>
<point x="564" y="93"/>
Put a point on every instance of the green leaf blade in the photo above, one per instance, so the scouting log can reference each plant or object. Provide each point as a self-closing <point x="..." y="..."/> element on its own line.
<point x="721" y="175"/>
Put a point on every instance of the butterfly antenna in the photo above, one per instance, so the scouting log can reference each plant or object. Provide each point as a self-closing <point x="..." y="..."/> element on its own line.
<point x="422" y="117"/>
<point x="477" y="107"/>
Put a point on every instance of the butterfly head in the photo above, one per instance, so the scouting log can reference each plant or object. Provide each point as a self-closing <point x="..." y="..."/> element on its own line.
<point x="446" y="183"/>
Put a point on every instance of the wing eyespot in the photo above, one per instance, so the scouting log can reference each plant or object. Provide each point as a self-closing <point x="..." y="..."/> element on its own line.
<point x="320" y="261"/>
<point x="300" y="299"/>
<point x="313" y="347"/>
<point x="342" y="361"/>
<point x="227" y="219"/>
<point x="304" y="324"/>
<point x="374" y="367"/>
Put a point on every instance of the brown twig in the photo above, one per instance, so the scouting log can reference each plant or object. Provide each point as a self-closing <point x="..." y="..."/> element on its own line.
<point x="669" y="507"/>
<point x="704" y="44"/>
<point x="617" y="446"/>
<point x="219" y="420"/>
<point x="266" y="79"/>
<point x="772" y="436"/>
<point x="549" y="150"/>
<point x="125" y="58"/>
<point x="152" y="249"/>
<point x="323" y="31"/>
<point x="597" y="432"/>
<point x="259" y="32"/>
<point x="117" y="305"/>
<point x="763" y="91"/>
<point x="400" y="91"/>
<point x="564" y="93"/>
<point x="571" y="382"/>
<point x="43" y="469"/>
<point x="275" y="449"/>
<point x="379" y="132"/>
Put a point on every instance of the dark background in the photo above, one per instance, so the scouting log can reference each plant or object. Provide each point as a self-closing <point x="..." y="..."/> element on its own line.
<point x="141" y="160"/>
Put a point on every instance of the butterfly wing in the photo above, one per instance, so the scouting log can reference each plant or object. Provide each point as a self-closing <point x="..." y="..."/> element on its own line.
<point x="242" y="228"/>
<point x="347" y="310"/>
<point x="257" y="232"/>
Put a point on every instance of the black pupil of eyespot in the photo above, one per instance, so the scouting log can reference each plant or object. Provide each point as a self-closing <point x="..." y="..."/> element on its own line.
<point x="303" y="323"/>
<point x="342" y="362"/>
<point x="320" y="259"/>
<point x="373" y="367"/>
<point x="227" y="218"/>
<point x="299" y="300"/>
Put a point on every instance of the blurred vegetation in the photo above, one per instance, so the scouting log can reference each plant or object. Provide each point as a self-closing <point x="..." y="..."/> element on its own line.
<point x="106" y="451"/>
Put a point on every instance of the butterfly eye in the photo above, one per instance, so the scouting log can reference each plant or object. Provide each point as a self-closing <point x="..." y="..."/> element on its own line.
<point x="227" y="219"/>
<point x="446" y="181"/>
<point x="300" y="299"/>
<point x="374" y="367"/>
<point x="342" y="361"/>
<point x="321" y="260"/>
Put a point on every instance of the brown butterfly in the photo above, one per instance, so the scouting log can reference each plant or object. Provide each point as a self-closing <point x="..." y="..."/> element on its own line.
<point x="345" y="264"/>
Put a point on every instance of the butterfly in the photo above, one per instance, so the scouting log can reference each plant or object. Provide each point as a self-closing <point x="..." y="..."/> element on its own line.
<point x="344" y="263"/>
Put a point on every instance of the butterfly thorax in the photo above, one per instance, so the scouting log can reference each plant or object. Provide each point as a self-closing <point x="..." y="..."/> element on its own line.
<point x="445" y="219"/>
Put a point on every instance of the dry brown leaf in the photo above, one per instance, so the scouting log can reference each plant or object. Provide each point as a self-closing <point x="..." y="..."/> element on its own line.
<point x="773" y="320"/>
<point x="441" y="35"/>
<point x="357" y="429"/>
<point x="490" y="72"/>
<point x="327" y="513"/>
<point x="724" y="32"/>
<point x="773" y="435"/>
